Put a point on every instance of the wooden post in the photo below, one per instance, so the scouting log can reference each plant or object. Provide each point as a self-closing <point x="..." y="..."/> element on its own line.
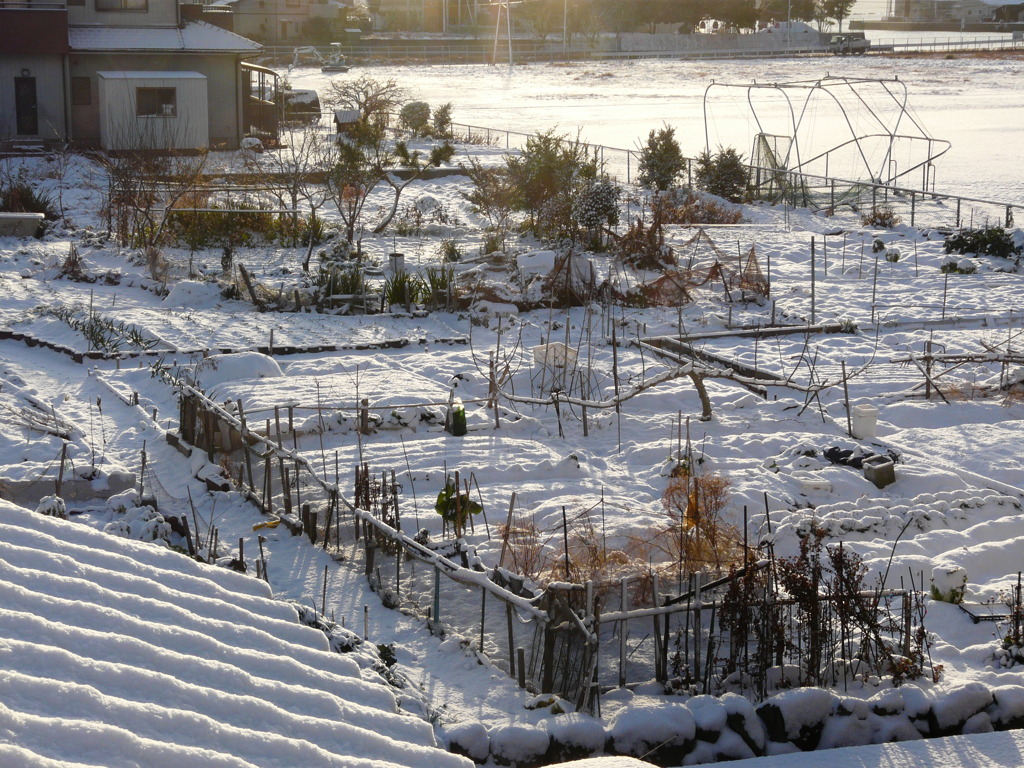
<point x="460" y="527"/>
<point x="521" y="666"/>
<point x="60" y="469"/>
<point x="548" y="664"/>
<point x="323" y="596"/>
<point x="268" y="488"/>
<point x="327" y="523"/>
<point x="928" y="370"/>
<point x="697" y="628"/>
<point x="245" y="447"/>
<point x="364" y="416"/>
<point x="142" y="471"/>
<point x="814" y="281"/>
<point x="511" y="642"/>
<point x="659" y="651"/>
<point x="435" y="613"/>
<point x="249" y="287"/>
<point x="493" y="385"/>
<point x="615" y="383"/>
<point x="846" y="399"/>
<point x="309" y="522"/>
<point x="483" y="616"/>
<point x="508" y="527"/>
<point x="263" y="559"/>
<point x="623" y="624"/>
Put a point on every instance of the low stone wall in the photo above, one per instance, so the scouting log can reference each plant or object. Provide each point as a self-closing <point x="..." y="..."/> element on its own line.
<point x="672" y="731"/>
<point x="29" y="492"/>
<point x="20" y="224"/>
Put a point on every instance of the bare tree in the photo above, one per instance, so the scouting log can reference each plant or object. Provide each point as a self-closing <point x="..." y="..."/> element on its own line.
<point x="294" y="174"/>
<point x="368" y="159"/>
<point x="375" y="99"/>
<point x="144" y="189"/>
<point x="541" y="17"/>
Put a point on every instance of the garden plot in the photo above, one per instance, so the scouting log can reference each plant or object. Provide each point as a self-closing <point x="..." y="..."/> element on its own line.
<point x="881" y="365"/>
<point x="45" y="443"/>
<point x="327" y="400"/>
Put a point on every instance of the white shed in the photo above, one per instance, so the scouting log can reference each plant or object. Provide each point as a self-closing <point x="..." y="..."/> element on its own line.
<point x="153" y="110"/>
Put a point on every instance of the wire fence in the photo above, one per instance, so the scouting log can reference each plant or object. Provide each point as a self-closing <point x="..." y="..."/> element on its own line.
<point x="568" y="639"/>
<point x="917" y="207"/>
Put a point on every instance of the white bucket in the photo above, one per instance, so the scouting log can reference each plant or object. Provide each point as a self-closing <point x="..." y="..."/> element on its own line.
<point x="863" y="421"/>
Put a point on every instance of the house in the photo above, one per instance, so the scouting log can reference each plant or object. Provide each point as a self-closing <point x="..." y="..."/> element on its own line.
<point x="124" y="74"/>
<point x="288" y="22"/>
<point x="962" y="11"/>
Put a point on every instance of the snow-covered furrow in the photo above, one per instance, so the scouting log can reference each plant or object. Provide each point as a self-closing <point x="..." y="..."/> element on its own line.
<point x="241" y="632"/>
<point x="97" y="664"/>
<point x="115" y="745"/>
<point x="134" y="559"/>
<point x="270" y="663"/>
<point x="69" y="701"/>
<point x="325" y="723"/>
<point x="44" y="741"/>
<point x="163" y="597"/>
<point x="100" y="647"/>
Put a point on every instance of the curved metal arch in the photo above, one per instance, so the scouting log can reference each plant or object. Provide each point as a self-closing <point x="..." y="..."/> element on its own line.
<point x="831" y="87"/>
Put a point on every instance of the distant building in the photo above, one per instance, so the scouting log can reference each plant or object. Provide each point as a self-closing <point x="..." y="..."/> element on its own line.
<point x="120" y="74"/>
<point x="963" y="11"/>
<point x="288" y="22"/>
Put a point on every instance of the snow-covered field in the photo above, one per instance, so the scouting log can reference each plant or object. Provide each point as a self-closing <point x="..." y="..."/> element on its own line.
<point x="958" y="482"/>
<point x="963" y="100"/>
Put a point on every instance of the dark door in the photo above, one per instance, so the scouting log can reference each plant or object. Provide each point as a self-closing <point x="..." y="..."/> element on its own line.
<point x="26" y="106"/>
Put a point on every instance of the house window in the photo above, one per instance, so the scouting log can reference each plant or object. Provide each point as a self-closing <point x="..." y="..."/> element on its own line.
<point x="81" y="91"/>
<point x="156" y="102"/>
<point x="122" y="5"/>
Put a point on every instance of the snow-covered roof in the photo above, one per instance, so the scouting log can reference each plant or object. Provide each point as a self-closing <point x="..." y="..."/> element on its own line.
<point x="119" y="652"/>
<point x="345" y="116"/>
<point x="195" y="36"/>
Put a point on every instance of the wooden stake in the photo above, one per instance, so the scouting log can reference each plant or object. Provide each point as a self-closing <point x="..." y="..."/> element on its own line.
<point x="323" y="597"/>
<point x="846" y="400"/>
<point x="508" y="528"/>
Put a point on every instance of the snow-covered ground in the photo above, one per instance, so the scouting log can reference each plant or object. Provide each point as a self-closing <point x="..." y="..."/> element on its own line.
<point x="958" y="480"/>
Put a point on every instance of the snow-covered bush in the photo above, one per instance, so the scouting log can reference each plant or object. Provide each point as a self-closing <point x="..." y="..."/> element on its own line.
<point x="880" y="216"/>
<point x="141" y="524"/>
<point x="469" y="739"/>
<point x="574" y="736"/>
<point x="949" y="583"/>
<point x="519" y="744"/>
<point x="723" y="174"/>
<point x="661" y="160"/>
<point x="661" y="731"/>
<point x="415" y="116"/>
<point x="989" y="241"/>
<point x="53" y="506"/>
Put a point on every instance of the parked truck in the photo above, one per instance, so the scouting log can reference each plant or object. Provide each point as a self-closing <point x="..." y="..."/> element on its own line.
<point x="848" y="43"/>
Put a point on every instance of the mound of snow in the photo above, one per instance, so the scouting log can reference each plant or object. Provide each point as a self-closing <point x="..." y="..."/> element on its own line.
<point x="221" y="369"/>
<point x="192" y="294"/>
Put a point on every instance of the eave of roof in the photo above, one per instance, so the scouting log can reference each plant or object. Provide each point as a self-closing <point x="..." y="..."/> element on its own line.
<point x="193" y="37"/>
